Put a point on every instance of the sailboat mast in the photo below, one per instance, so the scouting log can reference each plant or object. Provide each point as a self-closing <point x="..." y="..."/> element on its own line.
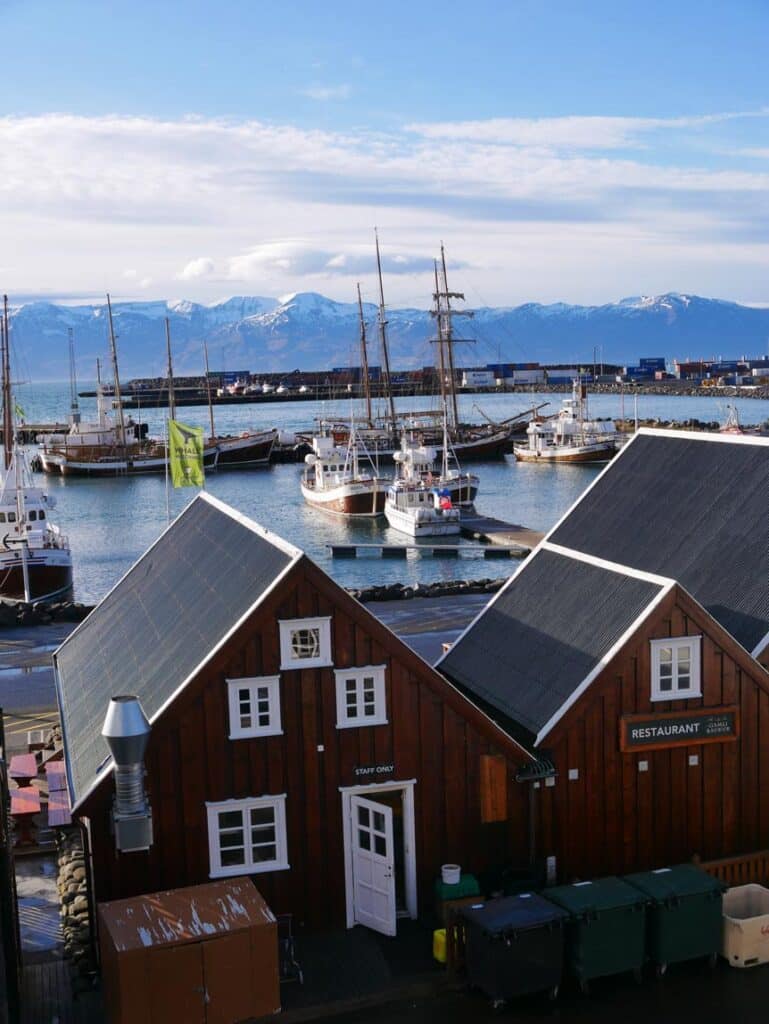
<point x="448" y="340"/>
<point x="171" y="396"/>
<point x="364" y="358"/>
<point x="116" y="377"/>
<point x="383" y="337"/>
<point x="208" y="390"/>
<point x="441" y="354"/>
<point x="7" y="410"/>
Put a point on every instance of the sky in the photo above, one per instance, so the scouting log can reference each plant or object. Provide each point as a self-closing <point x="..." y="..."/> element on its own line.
<point x="562" y="151"/>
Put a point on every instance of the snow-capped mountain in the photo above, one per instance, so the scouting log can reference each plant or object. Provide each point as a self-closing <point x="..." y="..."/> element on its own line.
<point x="310" y="332"/>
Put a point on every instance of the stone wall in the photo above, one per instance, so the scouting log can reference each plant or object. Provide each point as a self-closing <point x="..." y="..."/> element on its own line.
<point x="72" y="885"/>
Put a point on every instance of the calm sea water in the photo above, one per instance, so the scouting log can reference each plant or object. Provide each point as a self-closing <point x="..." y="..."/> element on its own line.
<point x="110" y="523"/>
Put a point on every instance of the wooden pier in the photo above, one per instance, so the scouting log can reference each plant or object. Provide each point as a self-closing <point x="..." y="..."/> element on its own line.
<point x="495" y="531"/>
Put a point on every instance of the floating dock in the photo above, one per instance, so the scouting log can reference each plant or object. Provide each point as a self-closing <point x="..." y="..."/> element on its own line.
<point x="430" y="550"/>
<point x="497" y="532"/>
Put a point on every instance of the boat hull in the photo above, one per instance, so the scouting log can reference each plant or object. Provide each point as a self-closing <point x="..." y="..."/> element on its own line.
<point x="582" y="453"/>
<point x="432" y="527"/>
<point x="353" y="501"/>
<point x="49" y="572"/>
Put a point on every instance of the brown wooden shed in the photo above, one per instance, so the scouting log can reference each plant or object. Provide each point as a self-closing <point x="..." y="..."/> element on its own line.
<point x="206" y="954"/>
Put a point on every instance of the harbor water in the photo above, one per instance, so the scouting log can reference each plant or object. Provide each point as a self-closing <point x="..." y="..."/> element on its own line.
<point x="111" y="522"/>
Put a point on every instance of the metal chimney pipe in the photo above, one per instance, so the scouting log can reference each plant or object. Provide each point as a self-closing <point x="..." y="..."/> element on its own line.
<point x="126" y="730"/>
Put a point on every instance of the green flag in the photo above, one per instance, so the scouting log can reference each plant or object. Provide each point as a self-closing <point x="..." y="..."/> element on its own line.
<point x="185" y="446"/>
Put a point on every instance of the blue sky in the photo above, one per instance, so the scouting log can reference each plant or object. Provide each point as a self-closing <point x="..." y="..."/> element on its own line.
<point x="564" y="151"/>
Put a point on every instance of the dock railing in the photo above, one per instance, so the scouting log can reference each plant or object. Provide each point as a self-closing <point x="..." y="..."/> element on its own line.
<point x="750" y="867"/>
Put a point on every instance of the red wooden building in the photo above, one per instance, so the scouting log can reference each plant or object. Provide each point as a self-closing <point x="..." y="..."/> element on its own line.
<point x="629" y="654"/>
<point x="293" y="737"/>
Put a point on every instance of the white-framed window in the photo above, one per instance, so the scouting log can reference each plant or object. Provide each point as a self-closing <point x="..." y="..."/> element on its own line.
<point x="360" y="697"/>
<point x="305" y="643"/>
<point x="676" y="668"/>
<point x="247" y="836"/>
<point x="254" y="707"/>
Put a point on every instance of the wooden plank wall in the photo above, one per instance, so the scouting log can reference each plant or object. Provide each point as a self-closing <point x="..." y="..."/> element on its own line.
<point x="615" y="818"/>
<point x="430" y="737"/>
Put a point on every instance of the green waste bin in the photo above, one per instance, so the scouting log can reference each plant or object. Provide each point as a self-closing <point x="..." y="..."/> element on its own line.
<point x="606" y="927"/>
<point x="684" y="919"/>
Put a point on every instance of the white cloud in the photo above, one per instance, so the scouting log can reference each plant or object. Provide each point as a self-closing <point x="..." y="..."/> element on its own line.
<point x="323" y="93"/>
<point x="536" y="208"/>
<point x="195" y="269"/>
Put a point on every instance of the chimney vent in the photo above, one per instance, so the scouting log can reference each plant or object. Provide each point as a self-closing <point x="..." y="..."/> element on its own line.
<point x="127" y="731"/>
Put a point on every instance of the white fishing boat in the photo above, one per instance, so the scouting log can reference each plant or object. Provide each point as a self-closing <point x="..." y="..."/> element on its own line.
<point x="35" y="559"/>
<point x="342" y="481"/>
<point x="571" y="436"/>
<point x="416" y="504"/>
<point x="417" y="463"/>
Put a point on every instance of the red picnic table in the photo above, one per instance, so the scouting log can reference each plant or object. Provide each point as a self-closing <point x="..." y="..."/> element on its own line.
<point x="56" y="775"/>
<point x="23" y="768"/>
<point x="25" y="803"/>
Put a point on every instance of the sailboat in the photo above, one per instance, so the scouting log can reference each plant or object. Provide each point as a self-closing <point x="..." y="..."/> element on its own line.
<point x="571" y="436"/>
<point x="35" y="560"/>
<point x="113" y="446"/>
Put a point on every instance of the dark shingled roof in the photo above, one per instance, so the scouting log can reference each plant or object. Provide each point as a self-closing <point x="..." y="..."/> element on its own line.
<point x="543" y="634"/>
<point x="693" y="509"/>
<point x="159" y="623"/>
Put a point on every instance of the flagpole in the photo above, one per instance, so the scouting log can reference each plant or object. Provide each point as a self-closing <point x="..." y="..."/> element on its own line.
<point x="168" y="459"/>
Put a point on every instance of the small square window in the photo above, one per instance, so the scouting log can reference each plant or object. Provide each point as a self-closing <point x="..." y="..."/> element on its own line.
<point x="675" y="668"/>
<point x="360" y="697"/>
<point x="305" y="643"/>
<point x="254" y="707"/>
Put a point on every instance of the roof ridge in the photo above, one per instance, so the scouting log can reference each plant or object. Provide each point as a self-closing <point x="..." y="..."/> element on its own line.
<point x="605" y="563"/>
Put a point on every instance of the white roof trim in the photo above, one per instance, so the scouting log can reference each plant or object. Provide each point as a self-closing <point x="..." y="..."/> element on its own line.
<point x="296" y="554"/>
<point x="761" y="645"/>
<point x="250" y="524"/>
<point x="706" y="435"/>
<point x="601" y="665"/>
<point x="602" y="563"/>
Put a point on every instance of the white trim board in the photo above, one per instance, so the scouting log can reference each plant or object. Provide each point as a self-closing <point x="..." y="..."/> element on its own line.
<point x="602" y="563"/>
<point x="601" y="665"/>
<point x="705" y="435"/>
<point x="762" y="644"/>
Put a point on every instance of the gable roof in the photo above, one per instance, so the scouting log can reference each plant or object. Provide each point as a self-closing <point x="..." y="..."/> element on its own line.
<point x="691" y="506"/>
<point x="208" y="570"/>
<point x="672" y="507"/>
<point x="539" y="642"/>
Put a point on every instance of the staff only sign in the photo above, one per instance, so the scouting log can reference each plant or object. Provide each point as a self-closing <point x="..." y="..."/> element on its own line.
<point x="678" y="729"/>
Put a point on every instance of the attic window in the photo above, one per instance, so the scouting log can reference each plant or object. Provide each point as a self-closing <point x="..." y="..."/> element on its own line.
<point x="305" y="643"/>
<point x="675" y="668"/>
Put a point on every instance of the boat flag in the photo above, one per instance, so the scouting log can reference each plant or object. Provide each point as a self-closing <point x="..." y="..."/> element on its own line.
<point x="185" y="447"/>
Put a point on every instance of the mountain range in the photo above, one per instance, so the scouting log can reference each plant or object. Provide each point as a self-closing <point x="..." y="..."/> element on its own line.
<point x="310" y="332"/>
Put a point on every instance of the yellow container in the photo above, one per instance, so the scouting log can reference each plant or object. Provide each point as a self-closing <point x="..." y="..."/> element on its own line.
<point x="439" y="945"/>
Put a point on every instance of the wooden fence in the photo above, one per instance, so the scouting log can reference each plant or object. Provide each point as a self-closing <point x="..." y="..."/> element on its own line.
<point x="751" y="867"/>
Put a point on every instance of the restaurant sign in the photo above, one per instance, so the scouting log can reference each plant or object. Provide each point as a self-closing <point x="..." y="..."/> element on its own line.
<point x="678" y="729"/>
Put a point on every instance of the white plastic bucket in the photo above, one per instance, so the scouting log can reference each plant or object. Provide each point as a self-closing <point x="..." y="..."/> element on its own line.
<point x="450" y="874"/>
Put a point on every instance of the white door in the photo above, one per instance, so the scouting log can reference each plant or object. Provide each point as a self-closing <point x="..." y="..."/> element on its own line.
<point x="373" y="865"/>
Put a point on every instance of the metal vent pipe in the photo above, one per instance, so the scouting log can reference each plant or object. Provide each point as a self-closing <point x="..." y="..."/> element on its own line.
<point x="126" y="730"/>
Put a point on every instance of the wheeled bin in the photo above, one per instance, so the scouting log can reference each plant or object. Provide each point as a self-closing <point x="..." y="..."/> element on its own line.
<point x="514" y="945"/>
<point x="683" y="919"/>
<point x="605" y="932"/>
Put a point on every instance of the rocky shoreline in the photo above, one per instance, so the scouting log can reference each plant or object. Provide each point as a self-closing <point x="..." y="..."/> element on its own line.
<point x="40" y="613"/>
<point x="405" y="592"/>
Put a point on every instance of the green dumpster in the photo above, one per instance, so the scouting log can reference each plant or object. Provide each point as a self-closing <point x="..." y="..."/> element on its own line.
<point x="684" y="918"/>
<point x="606" y="927"/>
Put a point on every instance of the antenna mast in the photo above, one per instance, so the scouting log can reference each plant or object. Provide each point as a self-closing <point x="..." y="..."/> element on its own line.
<point x="364" y="358"/>
<point x="74" y="407"/>
<point x="383" y="337"/>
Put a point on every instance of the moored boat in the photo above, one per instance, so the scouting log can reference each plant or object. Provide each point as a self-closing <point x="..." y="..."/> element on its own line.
<point x="335" y="481"/>
<point x="35" y="559"/>
<point x="571" y="436"/>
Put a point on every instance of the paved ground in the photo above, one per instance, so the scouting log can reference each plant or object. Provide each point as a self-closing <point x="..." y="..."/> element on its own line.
<point x="39" y="921"/>
<point x="689" y="992"/>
